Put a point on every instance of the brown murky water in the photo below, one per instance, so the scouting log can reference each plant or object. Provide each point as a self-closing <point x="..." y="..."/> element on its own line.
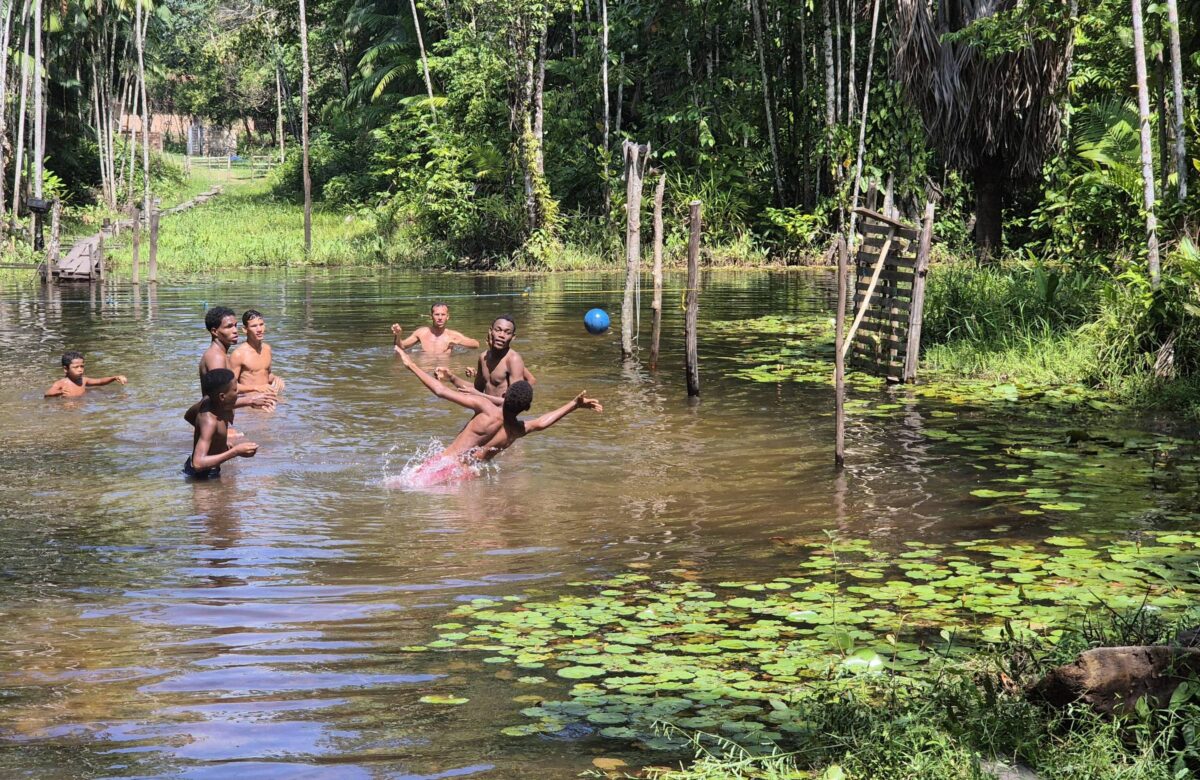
<point x="251" y="627"/>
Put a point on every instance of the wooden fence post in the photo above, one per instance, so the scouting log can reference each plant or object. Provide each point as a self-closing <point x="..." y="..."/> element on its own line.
<point x="839" y="359"/>
<point x="55" y="246"/>
<point x="693" y="300"/>
<point x="135" y="272"/>
<point x="656" y="304"/>
<point x="636" y="156"/>
<point x="154" y="215"/>
<point x="98" y="261"/>
<point x="916" y="315"/>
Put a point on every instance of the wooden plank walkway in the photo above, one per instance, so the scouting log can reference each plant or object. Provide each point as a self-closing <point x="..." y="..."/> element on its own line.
<point x="83" y="261"/>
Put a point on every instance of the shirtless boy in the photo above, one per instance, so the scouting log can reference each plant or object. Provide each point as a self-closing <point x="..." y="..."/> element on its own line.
<point x="74" y="383"/>
<point x="212" y="418"/>
<point x="436" y="339"/>
<point x="500" y="365"/>
<point x="494" y="428"/>
<point x="251" y="362"/>
<point x="222" y="326"/>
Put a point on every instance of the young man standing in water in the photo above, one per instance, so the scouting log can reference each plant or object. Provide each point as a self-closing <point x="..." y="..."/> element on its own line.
<point x="491" y="430"/>
<point x="212" y="419"/>
<point x="501" y="365"/>
<point x="436" y="339"/>
<point x="251" y="362"/>
<point x="221" y="323"/>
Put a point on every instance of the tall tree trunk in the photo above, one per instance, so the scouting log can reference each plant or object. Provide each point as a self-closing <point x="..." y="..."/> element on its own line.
<point x="39" y="116"/>
<point x="830" y="81"/>
<point x="1139" y="62"/>
<point x="4" y="41"/>
<point x="620" y="93"/>
<point x="862" y="120"/>
<point x="424" y="58"/>
<point x="1160" y="108"/>
<point x="279" y="109"/>
<point x="19" y="166"/>
<point x="141" y="47"/>
<point x="304" y="127"/>
<point x="851" y="66"/>
<point x="766" y="93"/>
<point x="1177" y="89"/>
<point x="97" y="113"/>
<point x="604" y="92"/>
<point x="539" y="104"/>
<point x="837" y="53"/>
<point x="989" y="204"/>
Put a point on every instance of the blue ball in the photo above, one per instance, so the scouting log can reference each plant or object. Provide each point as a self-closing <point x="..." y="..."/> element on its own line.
<point x="596" y="321"/>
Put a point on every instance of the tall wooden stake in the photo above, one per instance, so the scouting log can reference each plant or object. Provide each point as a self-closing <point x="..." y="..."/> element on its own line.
<point x="135" y="273"/>
<point x="656" y="304"/>
<point x="839" y="360"/>
<point x="52" y="252"/>
<point x="1177" y="90"/>
<point x="693" y="300"/>
<point x="636" y="156"/>
<point x="916" y="316"/>
<point x="154" y="216"/>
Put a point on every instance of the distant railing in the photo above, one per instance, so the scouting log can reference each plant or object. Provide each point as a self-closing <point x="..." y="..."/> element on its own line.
<point x="257" y="164"/>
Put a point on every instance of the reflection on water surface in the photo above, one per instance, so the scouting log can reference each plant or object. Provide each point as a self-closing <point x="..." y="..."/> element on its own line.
<point x="255" y="625"/>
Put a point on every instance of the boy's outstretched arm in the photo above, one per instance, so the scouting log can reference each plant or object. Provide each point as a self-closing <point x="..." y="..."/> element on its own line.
<point x="200" y="457"/>
<point x="104" y="380"/>
<point x="445" y="374"/>
<point x="473" y="401"/>
<point x="405" y="343"/>
<point x="549" y="418"/>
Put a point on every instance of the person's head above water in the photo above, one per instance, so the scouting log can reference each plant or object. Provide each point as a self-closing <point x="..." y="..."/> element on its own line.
<point x="503" y="329"/>
<point x="251" y="314"/>
<point x="255" y="325"/>
<point x="518" y="398"/>
<point x="439" y="312"/>
<point x="219" y="385"/>
<point x="71" y="369"/>
<point x="221" y="322"/>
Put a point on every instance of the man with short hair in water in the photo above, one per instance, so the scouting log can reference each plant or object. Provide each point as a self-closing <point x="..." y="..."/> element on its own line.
<point x="499" y="366"/>
<point x="221" y="323"/>
<point x="491" y="430"/>
<point x="251" y="362"/>
<point x="435" y="339"/>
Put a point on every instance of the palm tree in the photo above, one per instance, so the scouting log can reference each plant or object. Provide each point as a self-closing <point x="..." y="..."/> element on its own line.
<point x="992" y="109"/>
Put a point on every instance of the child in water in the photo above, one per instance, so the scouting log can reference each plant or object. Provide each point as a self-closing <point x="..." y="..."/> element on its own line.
<point x="74" y="383"/>
<point x="212" y="417"/>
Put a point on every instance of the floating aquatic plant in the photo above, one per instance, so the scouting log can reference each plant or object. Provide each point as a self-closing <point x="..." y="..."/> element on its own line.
<point x="729" y="657"/>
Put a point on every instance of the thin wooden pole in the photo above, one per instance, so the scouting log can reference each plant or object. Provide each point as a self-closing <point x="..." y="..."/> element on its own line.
<point x="304" y="75"/>
<point x="635" y="161"/>
<point x="916" y="316"/>
<point x="98" y="261"/>
<point x="55" y="238"/>
<point x="1139" y="61"/>
<point x="154" y="217"/>
<point x="135" y="273"/>
<point x="693" y="300"/>
<point x="839" y="359"/>
<point x="656" y="304"/>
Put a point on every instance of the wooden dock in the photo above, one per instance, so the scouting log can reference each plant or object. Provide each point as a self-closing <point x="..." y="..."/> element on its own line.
<point x="85" y="260"/>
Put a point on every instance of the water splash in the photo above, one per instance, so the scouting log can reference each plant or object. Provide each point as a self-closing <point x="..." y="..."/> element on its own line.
<point x="427" y="467"/>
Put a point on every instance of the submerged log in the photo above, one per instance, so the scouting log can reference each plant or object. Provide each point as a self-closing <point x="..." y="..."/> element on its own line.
<point x="1111" y="680"/>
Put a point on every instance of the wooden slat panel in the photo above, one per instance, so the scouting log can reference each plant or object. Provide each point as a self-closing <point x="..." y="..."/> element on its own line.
<point x="905" y="277"/>
<point x="900" y="294"/>
<point x="884" y="341"/>
<point x="872" y="229"/>
<point x="886" y="328"/>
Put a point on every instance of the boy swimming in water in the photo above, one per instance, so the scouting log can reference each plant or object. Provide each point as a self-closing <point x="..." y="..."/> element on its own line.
<point x="493" y="428"/>
<point x="435" y="339"/>
<point x="74" y="383"/>
<point x="251" y="362"/>
<point x="212" y="418"/>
